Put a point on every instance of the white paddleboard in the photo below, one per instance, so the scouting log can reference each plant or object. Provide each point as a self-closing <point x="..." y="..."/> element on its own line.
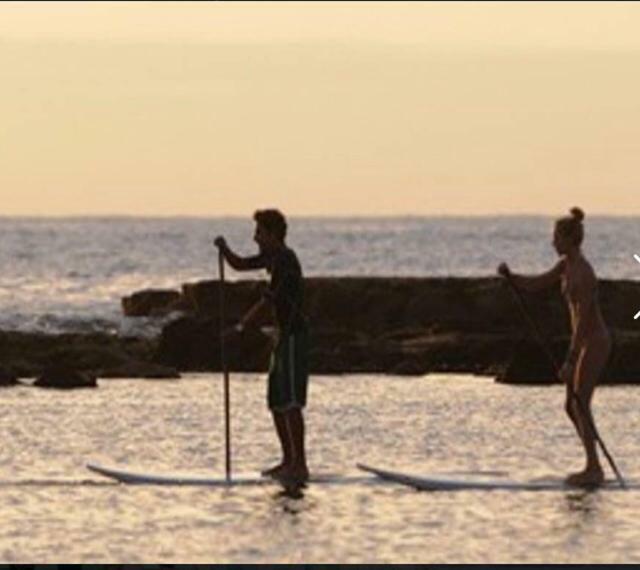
<point x="443" y="483"/>
<point x="133" y="478"/>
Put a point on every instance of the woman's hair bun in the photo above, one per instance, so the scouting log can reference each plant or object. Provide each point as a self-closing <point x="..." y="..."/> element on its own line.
<point x="577" y="213"/>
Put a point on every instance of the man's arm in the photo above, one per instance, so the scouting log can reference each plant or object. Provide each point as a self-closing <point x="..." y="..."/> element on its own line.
<point x="237" y="262"/>
<point x="251" y="314"/>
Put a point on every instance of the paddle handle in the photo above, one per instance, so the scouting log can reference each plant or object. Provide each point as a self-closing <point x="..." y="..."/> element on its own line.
<point x="225" y="372"/>
<point x="547" y="349"/>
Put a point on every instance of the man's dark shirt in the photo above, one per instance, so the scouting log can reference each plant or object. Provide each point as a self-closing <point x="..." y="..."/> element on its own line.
<point x="286" y="288"/>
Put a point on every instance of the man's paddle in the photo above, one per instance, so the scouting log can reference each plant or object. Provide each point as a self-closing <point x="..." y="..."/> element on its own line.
<point x="547" y="349"/>
<point x="225" y="371"/>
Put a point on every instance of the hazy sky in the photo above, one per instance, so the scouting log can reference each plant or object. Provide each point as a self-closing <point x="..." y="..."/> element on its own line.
<point x="319" y="108"/>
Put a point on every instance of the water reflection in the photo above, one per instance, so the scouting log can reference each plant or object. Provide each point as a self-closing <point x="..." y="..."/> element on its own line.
<point x="349" y="517"/>
<point x="292" y="491"/>
<point x="584" y="501"/>
<point x="582" y="516"/>
<point x="290" y="497"/>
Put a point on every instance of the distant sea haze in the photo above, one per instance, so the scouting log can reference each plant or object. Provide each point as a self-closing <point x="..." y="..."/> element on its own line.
<point x="60" y="275"/>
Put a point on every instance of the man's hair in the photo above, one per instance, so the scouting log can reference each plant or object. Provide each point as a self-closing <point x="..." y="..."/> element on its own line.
<point x="273" y="221"/>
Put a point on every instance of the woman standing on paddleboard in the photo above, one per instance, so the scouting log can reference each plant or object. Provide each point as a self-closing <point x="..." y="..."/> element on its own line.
<point x="590" y="340"/>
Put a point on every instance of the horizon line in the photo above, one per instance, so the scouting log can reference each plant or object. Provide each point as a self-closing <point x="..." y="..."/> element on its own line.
<point x="301" y="216"/>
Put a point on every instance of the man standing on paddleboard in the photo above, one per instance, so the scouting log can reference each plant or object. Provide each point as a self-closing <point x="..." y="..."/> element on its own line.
<point x="288" y="370"/>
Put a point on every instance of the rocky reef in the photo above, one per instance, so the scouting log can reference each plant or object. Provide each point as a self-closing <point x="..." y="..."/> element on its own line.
<point x="75" y="360"/>
<point x="396" y="326"/>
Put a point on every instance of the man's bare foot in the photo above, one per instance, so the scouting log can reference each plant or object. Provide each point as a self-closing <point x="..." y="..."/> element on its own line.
<point x="586" y="478"/>
<point x="273" y="471"/>
<point x="296" y="474"/>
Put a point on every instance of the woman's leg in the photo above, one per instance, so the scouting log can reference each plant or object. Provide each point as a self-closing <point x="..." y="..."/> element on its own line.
<point x="588" y="371"/>
<point x="570" y="407"/>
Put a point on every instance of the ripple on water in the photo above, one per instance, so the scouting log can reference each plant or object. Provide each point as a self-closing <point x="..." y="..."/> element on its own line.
<point x="423" y="425"/>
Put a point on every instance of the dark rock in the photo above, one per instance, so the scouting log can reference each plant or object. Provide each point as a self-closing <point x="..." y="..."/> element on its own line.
<point x="139" y="348"/>
<point x="379" y="305"/>
<point x="85" y="355"/>
<point x="7" y="378"/>
<point x="150" y="301"/>
<point x="140" y="369"/>
<point x="193" y="344"/>
<point x="409" y="367"/>
<point x="408" y="325"/>
<point x="239" y="296"/>
<point x="530" y="364"/>
<point x="624" y="363"/>
<point x="65" y="378"/>
<point x="187" y="343"/>
<point x="31" y="354"/>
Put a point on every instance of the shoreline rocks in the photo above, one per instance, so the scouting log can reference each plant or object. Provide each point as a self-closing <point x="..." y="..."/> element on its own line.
<point x="61" y="377"/>
<point x="52" y="357"/>
<point x="403" y="326"/>
<point x="377" y="325"/>
<point x="386" y="304"/>
<point x="7" y="378"/>
<point x="152" y="302"/>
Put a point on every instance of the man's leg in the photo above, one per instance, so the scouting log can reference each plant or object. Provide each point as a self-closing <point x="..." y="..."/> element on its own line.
<point x="295" y="426"/>
<point x="293" y="398"/>
<point x="282" y="430"/>
<point x="295" y="415"/>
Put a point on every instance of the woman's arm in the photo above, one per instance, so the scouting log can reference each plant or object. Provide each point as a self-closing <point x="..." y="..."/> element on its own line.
<point x="534" y="282"/>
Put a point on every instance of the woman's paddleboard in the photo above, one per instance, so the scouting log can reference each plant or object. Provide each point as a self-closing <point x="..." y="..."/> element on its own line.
<point x="444" y="483"/>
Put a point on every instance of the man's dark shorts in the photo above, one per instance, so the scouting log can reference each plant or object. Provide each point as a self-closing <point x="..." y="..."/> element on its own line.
<point x="289" y="372"/>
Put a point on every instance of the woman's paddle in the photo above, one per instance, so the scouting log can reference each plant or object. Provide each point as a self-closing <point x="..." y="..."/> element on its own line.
<point x="225" y="371"/>
<point x="547" y="349"/>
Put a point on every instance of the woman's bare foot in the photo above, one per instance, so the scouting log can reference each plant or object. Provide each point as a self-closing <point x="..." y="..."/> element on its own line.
<point x="587" y="478"/>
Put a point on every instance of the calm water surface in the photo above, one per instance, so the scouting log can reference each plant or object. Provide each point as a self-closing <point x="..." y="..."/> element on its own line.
<point x="53" y="510"/>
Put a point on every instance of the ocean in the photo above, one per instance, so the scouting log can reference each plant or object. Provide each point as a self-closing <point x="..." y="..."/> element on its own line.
<point x="68" y="275"/>
<point x="55" y="511"/>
